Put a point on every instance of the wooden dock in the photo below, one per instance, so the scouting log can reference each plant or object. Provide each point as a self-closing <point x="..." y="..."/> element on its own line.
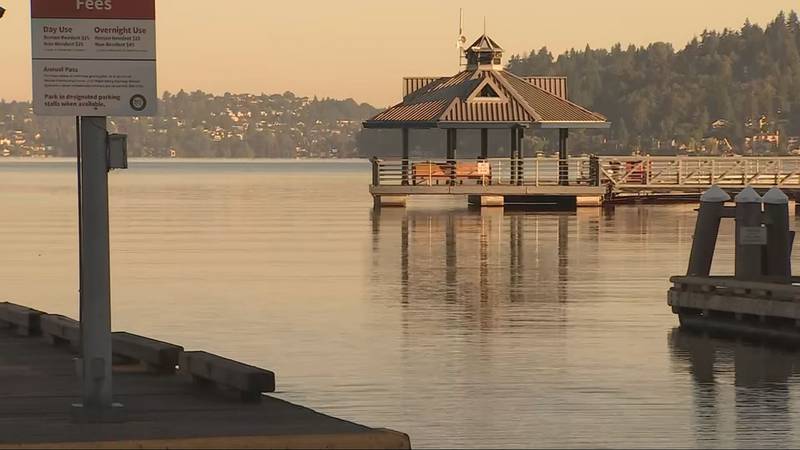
<point x="38" y="385"/>
<point x="762" y="298"/>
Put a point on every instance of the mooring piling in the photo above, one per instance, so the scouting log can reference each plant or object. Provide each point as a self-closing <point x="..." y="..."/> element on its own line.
<point x="760" y="299"/>
<point x="709" y="216"/>
<point x="778" y="263"/>
<point x="750" y="235"/>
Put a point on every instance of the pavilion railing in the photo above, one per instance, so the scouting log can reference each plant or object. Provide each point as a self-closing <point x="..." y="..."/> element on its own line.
<point x="488" y="172"/>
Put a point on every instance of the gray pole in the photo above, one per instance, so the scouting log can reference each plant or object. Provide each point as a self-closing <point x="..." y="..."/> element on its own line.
<point x="452" y="143"/>
<point x="95" y="297"/>
<point x="779" y="261"/>
<point x="484" y="143"/>
<point x="750" y="235"/>
<point x="514" y="155"/>
<point x="406" y="156"/>
<point x="706" y="231"/>
<point x="563" y="164"/>
<point x="594" y="170"/>
<point x="520" y="156"/>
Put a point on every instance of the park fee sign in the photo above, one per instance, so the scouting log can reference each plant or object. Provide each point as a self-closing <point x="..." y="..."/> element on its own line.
<point x="94" y="57"/>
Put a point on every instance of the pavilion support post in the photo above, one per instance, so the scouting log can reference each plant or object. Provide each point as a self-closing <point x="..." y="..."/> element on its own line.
<point x="514" y="155"/>
<point x="376" y="171"/>
<point x="484" y="143"/>
<point x="563" y="163"/>
<point x="406" y="156"/>
<point x="520" y="157"/>
<point x="452" y="138"/>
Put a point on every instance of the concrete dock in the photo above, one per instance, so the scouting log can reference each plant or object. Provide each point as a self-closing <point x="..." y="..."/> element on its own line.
<point x="38" y="385"/>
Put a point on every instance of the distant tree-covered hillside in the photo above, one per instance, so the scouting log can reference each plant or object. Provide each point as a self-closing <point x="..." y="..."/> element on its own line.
<point x="198" y="124"/>
<point x="658" y="97"/>
<point x="732" y="91"/>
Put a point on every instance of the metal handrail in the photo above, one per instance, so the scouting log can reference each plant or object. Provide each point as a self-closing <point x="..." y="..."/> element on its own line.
<point x="616" y="172"/>
<point x="657" y="171"/>
<point x="490" y="171"/>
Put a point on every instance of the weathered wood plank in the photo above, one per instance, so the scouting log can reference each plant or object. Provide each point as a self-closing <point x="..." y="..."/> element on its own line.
<point x="156" y="355"/>
<point x="250" y="381"/>
<point x="776" y="291"/>
<point x="59" y="330"/>
<point x="20" y="318"/>
<point x="734" y="304"/>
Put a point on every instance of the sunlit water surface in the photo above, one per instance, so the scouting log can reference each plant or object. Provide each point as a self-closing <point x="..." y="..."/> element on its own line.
<point x="461" y="328"/>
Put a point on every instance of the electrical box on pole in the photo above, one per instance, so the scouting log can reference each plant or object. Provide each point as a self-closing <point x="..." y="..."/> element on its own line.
<point x="117" y="151"/>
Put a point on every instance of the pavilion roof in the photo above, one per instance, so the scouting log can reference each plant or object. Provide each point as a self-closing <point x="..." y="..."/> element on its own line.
<point x="485" y="95"/>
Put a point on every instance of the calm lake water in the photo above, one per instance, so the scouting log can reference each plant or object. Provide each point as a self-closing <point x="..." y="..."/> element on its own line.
<point x="461" y="328"/>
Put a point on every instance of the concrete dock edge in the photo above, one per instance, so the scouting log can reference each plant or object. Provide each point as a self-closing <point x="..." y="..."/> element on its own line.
<point x="376" y="439"/>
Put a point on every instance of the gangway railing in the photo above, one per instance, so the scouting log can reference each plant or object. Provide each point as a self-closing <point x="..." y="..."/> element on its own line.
<point x="625" y="173"/>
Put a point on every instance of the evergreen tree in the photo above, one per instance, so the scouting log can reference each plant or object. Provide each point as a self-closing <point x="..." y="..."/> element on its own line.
<point x="654" y="94"/>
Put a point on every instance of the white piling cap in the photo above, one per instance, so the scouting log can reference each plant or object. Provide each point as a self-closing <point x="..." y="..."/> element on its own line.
<point x="748" y="195"/>
<point x="775" y="196"/>
<point x="715" y="195"/>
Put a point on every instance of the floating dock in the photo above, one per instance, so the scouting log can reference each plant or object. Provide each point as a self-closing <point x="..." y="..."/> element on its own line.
<point x="205" y="403"/>
<point x="745" y="308"/>
<point x="762" y="298"/>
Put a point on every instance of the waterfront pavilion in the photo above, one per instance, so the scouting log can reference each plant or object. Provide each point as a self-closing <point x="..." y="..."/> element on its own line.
<point x="484" y="96"/>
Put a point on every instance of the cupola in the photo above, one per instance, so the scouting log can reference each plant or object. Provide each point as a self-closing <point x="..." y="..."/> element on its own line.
<point x="485" y="53"/>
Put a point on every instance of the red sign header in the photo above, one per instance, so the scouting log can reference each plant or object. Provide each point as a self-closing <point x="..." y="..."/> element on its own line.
<point x="94" y="9"/>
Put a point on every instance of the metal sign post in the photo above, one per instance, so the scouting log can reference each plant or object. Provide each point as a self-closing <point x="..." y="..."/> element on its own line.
<point x="95" y="270"/>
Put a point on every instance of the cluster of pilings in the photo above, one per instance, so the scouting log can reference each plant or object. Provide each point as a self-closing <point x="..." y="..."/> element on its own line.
<point x="763" y="238"/>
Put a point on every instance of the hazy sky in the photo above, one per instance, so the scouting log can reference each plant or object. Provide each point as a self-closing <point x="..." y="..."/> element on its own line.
<point x="362" y="49"/>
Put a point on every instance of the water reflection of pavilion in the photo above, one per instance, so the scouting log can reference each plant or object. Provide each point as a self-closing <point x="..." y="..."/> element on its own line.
<point x="476" y="259"/>
<point x="482" y="301"/>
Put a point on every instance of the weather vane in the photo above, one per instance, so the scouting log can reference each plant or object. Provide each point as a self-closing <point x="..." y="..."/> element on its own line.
<point x="462" y="40"/>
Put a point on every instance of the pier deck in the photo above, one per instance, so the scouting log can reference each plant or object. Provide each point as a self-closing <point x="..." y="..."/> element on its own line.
<point x="38" y="384"/>
<point x="608" y="178"/>
<point x="501" y="190"/>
